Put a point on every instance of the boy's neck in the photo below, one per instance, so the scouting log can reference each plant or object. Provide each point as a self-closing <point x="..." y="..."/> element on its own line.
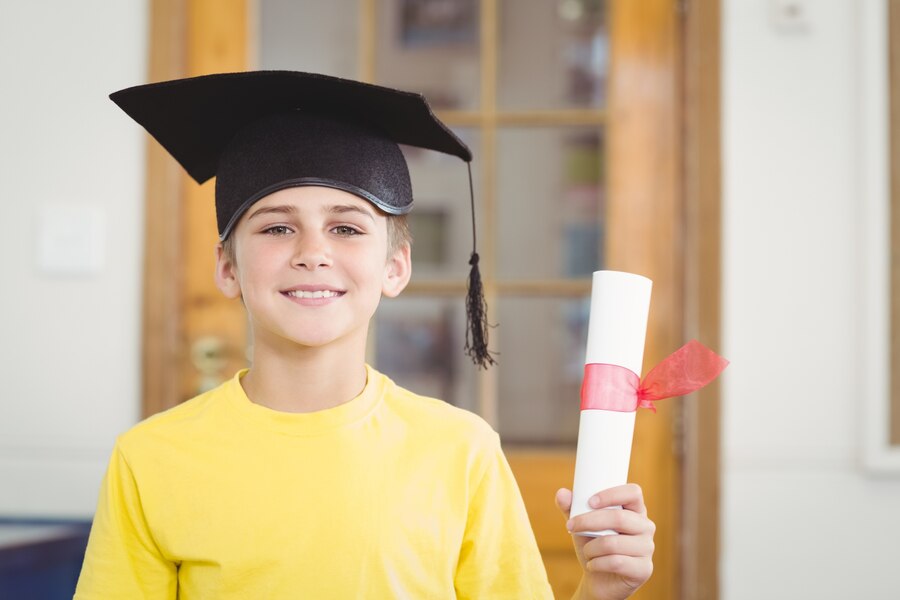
<point x="305" y="379"/>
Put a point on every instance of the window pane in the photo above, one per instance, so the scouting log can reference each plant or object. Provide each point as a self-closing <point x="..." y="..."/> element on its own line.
<point x="550" y="202"/>
<point x="542" y="347"/>
<point x="309" y="36"/>
<point x="552" y="54"/>
<point x="419" y="344"/>
<point x="441" y="221"/>
<point x="431" y="47"/>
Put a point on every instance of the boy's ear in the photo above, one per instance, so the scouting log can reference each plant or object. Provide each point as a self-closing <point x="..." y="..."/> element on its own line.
<point x="226" y="275"/>
<point x="397" y="272"/>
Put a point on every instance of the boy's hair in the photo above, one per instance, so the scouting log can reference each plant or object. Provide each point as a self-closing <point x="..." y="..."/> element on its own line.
<point x="398" y="234"/>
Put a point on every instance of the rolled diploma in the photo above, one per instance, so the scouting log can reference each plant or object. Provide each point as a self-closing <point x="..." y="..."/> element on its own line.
<point x="617" y="328"/>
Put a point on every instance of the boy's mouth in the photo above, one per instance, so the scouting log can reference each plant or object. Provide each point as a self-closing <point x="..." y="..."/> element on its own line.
<point x="309" y="292"/>
<point x="316" y="294"/>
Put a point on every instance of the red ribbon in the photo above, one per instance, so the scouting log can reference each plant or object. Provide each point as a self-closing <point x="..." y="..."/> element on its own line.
<point x="611" y="387"/>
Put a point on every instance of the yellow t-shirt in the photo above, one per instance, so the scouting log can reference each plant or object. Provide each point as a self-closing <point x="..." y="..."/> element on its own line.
<point x="390" y="495"/>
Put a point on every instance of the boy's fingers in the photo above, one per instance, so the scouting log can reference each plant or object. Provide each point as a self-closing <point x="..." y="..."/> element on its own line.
<point x="564" y="501"/>
<point x="627" y="567"/>
<point x="628" y="496"/>
<point x="626" y="545"/>
<point x="620" y="520"/>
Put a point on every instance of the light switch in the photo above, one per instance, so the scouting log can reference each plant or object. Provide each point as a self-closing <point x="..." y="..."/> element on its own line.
<point x="71" y="239"/>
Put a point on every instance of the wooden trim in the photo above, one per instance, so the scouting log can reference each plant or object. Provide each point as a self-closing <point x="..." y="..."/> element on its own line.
<point x="894" y="156"/>
<point x="545" y="287"/>
<point x="252" y="27"/>
<point x="366" y="66"/>
<point x="516" y="287"/>
<point x="702" y="193"/>
<point x="530" y="118"/>
<point x="455" y="287"/>
<point x="645" y="214"/>
<point x="217" y="37"/>
<point x="187" y="37"/>
<point x="368" y="23"/>
<point x="488" y="382"/>
<point x="163" y="196"/>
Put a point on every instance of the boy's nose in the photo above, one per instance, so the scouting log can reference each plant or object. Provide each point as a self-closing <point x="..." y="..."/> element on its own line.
<point x="312" y="253"/>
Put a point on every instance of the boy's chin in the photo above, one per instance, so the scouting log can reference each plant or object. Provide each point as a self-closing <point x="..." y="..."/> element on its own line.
<point x="288" y="341"/>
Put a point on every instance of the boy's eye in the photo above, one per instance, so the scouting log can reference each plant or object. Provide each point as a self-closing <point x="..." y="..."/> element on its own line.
<point x="346" y="230"/>
<point x="277" y="230"/>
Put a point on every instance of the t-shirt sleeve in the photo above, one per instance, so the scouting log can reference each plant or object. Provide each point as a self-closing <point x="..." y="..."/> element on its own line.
<point x="499" y="557"/>
<point x="122" y="558"/>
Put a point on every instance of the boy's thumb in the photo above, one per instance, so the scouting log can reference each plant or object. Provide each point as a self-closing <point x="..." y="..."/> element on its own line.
<point x="564" y="501"/>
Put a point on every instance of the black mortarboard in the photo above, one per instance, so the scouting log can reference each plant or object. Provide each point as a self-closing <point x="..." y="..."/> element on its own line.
<point x="259" y="132"/>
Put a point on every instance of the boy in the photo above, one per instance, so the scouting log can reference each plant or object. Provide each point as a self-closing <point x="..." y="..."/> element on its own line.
<point x="310" y="474"/>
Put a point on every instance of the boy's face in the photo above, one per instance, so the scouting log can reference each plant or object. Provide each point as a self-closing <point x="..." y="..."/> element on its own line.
<point x="311" y="265"/>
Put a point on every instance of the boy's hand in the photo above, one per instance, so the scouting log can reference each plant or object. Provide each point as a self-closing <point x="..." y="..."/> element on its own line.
<point x="614" y="565"/>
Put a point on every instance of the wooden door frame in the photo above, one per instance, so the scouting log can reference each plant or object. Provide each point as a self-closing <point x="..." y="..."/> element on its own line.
<point x="186" y="38"/>
<point x="893" y="35"/>
<point x="163" y="339"/>
<point x="702" y="170"/>
<point x="161" y="319"/>
<point x="665" y="102"/>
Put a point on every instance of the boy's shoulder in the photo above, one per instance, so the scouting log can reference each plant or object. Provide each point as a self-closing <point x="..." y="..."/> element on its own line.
<point x="436" y="416"/>
<point x="183" y="420"/>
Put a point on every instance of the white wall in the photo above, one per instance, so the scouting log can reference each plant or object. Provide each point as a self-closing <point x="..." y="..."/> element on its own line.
<point x="70" y="343"/>
<point x="802" y="518"/>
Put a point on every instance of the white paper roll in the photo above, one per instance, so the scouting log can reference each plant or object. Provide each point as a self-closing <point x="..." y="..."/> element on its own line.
<point x="617" y="328"/>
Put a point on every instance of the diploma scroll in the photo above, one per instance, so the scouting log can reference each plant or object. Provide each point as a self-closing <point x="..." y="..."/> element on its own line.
<point x="620" y="304"/>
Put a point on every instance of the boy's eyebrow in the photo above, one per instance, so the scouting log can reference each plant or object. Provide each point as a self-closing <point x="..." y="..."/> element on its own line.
<point x="345" y="208"/>
<point x="289" y="209"/>
<point x="284" y="208"/>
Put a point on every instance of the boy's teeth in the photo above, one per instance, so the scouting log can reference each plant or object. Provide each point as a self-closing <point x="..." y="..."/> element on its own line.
<point x="318" y="294"/>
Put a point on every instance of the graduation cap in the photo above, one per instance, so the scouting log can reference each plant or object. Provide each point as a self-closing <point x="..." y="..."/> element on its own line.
<point x="263" y="131"/>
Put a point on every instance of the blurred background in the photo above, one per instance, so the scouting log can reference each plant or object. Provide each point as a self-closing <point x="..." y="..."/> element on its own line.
<point x="741" y="153"/>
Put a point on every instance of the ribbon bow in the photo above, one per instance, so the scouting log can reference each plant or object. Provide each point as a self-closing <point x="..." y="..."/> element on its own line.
<point x="612" y="387"/>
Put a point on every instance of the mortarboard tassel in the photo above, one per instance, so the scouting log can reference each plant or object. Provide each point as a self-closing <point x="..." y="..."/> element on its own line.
<point x="476" y="308"/>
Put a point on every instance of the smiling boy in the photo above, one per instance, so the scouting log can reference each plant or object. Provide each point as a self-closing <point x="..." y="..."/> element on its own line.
<point x="311" y="264"/>
<point x="310" y="474"/>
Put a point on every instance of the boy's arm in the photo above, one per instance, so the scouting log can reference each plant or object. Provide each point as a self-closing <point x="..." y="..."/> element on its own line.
<point x="499" y="557"/>
<point x="122" y="558"/>
<point x="614" y="565"/>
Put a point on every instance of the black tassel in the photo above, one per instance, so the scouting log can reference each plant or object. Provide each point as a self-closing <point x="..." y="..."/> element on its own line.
<point x="476" y="319"/>
<point x="476" y="307"/>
